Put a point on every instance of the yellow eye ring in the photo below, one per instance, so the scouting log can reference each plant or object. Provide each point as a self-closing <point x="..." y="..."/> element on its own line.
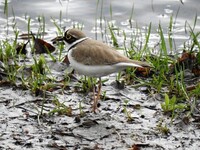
<point x="68" y="37"/>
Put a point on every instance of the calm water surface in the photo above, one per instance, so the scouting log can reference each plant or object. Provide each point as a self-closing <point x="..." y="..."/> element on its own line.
<point x="85" y="13"/>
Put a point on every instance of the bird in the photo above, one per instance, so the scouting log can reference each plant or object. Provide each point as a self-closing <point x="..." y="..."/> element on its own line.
<point x="94" y="58"/>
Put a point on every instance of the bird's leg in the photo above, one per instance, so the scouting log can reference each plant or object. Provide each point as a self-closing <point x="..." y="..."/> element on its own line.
<point x="98" y="95"/>
<point x="99" y="89"/>
<point x="94" y="107"/>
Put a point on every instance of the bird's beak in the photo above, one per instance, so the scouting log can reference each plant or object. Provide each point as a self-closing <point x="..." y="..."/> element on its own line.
<point x="58" y="39"/>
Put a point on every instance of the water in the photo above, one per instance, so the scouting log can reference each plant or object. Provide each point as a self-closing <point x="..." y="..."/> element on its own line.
<point x="84" y="13"/>
<point x="20" y="122"/>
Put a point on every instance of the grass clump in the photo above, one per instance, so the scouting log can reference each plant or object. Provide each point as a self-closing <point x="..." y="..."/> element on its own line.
<point x="169" y="74"/>
<point x="61" y="108"/>
<point x="166" y="77"/>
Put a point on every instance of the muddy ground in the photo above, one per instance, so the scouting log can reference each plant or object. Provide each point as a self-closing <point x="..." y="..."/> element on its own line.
<point x="126" y="119"/>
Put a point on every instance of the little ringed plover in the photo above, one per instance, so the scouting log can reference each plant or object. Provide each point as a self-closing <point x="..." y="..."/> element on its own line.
<point x="95" y="59"/>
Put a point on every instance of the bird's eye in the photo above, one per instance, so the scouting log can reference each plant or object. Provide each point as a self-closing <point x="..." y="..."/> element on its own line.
<point x="68" y="37"/>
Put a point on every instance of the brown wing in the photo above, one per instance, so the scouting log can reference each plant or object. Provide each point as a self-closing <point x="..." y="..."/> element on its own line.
<point x="92" y="52"/>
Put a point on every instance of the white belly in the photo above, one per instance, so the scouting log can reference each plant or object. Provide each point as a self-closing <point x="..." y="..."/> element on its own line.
<point x="94" y="71"/>
<point x="98" y="70"/>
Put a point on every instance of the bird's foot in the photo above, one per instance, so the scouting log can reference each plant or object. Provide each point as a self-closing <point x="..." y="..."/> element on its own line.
<point x="95" y="106"/>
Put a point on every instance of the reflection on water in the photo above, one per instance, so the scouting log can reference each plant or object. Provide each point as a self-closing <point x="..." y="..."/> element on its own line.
<point x="83" y="13"/>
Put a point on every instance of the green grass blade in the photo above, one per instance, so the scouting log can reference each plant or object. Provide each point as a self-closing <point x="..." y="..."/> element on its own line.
<point x="163" y="43"/>
<point x="170" y="33"/>
<point x="147" y="38"/>
<point x="113" y="38"/>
